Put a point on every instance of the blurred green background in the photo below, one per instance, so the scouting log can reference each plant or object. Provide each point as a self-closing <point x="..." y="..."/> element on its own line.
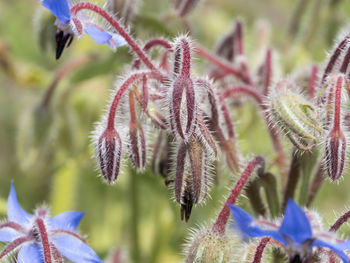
<point x="47" y="150"/>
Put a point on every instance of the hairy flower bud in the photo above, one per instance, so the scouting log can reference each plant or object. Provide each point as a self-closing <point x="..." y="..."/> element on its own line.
<point x="183" y="109"/>
<point x="209" y="246"/>
<point x="191" y="176"/>
<point x="108" y="150"/>
<point x="335" y="150"/>
<point x="137" y="147"/>
<point x="294" y="115"/>
<point x="335" y="143"/>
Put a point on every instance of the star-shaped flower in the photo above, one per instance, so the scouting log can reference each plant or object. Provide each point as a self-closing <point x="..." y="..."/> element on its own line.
<point x="295" y="232"/>
<point x="39" y="238"/>
<point x="64" y="36"/>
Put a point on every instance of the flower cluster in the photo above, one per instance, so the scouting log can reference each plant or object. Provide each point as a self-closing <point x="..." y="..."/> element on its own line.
<point x="41" y="238"/>
<point x="163" y="114"/>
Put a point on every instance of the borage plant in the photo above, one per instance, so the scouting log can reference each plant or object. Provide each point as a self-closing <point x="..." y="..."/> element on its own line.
<point x="187" y="120"/>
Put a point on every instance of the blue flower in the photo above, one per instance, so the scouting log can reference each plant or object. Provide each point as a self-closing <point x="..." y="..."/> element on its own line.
<point x="294" y="233"/>
<point x="64" y="36"/>
<point x="39" y="238"/>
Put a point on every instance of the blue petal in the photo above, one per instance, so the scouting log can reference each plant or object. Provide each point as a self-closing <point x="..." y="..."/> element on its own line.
<point x="67" y="220"/>
<point x="245" y="224"/>
<point x="337" y="248"/>
<point x="100" y="37"/>
<point x="15" y="212"/>
<point x="59" y="8"/>
<point x="117" y="41"/>
<point x="295" y="224"/>
<point x="7" y="235"/>
<point x="30" y="253"/>
<point x="74" y="249"/>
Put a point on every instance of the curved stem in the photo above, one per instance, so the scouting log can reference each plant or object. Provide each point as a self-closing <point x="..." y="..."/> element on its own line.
<point x="221" y="64"/>
<point x="119" y="28"/>
<point x="13" y="246"/>
<point x="123" y="88"/>
<point x="221" y="221"/>
<point x="260" y="249"/>
<point x="340" y="221"/>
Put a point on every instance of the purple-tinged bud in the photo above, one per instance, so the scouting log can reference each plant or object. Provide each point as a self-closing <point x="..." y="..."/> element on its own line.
<point x="109" y="149"/>
<point x="335" y="150"/>
<point x="191" y="175"/>
<point x="137" y="147"/>
<point x="335" y="144"/>
<point x="183" y="109"/>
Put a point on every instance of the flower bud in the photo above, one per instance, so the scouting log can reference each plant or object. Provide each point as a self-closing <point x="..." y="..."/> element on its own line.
<point x="335" y="144"/>
<point x="191" y="177"/>
<point x="335" y="148"/>
<point x="183" y="111"/>
<point x="137" y="147"/>
<point x="210" y="246"/>
<point x="294" y="115"/>
<point x="108" y="150"/>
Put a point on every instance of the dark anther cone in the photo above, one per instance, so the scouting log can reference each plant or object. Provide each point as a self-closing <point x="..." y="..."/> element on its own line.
<point x="62" y="39"/>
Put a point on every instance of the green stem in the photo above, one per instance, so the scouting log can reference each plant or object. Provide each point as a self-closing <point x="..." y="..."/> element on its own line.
<point x="269" y="183"/>
<point x="308" y="162"/>
<point x="134" y="208"/>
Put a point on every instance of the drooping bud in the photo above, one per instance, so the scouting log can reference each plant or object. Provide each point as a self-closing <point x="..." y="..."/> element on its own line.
<point x="336" y="144"/>
<point x="192" y="175"/>
<point x="108" y="150"/>
<point x="209" y="246"/>
<point x="137" y="147"/>
<point x="294" y="115"/>
<point x="182" y="108"/>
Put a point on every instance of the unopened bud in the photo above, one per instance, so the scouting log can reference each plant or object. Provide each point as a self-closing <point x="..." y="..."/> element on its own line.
<point x="192" y="176"/>
<point x="210" y="246"/>
<point x="108" y="150"/>
<point x="137" y="147"/>
<point x="294" y="115"/>
<point x="335" y="148"/>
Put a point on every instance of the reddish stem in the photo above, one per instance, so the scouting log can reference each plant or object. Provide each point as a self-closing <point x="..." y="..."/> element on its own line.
<point x="221" y="64"/>
<point x="157" y="42"/>
<point x="115" y="24"/>
<point x="313" y="81"/>
<point x="221" y="221"/>
<point x="13" y="226"/>
<point x="340" y="221"/>
<point x="44" y="240"/>
<point x="245" y="90"/>
<point x="337" y="102"/>
<point x="120" y="92"/>
<point x="260" y="249"/>
<point x="13" y="245"/>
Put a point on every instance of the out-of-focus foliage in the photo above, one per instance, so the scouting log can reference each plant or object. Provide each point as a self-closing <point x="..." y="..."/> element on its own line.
<point x="45" y="146"/>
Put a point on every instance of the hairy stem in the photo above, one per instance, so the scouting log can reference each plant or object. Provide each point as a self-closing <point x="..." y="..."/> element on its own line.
<point x="117" y="26"/>
<point x="221" y="221"/>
